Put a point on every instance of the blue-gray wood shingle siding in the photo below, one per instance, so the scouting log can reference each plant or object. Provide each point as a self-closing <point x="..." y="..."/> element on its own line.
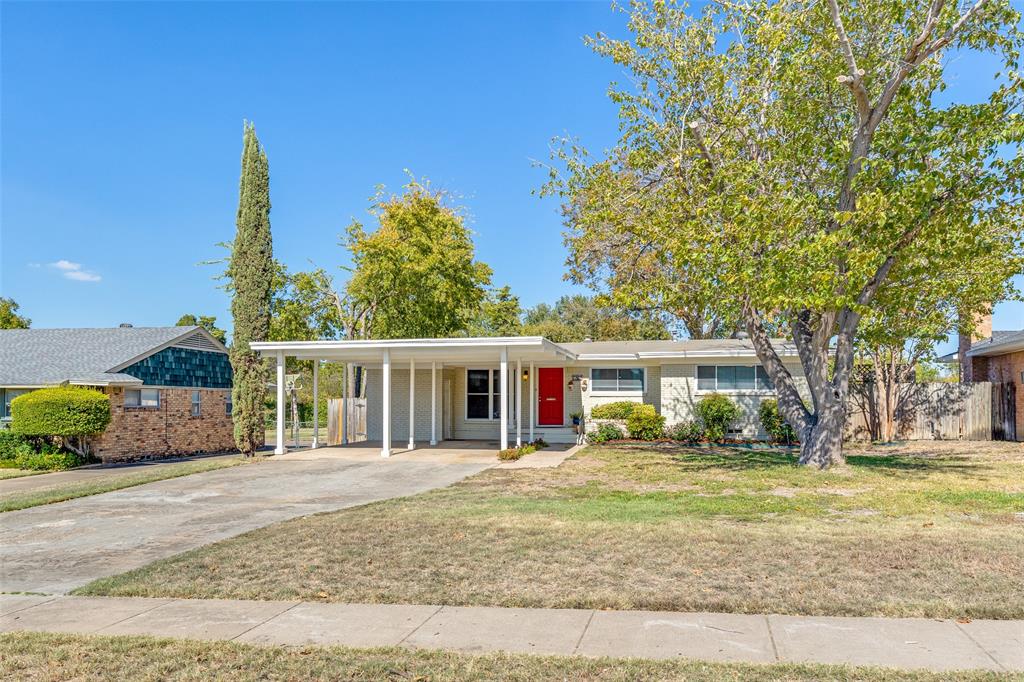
<point x="183" y="367"/>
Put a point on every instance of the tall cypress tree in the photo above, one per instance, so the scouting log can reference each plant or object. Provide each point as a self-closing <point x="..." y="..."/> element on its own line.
<point x="251" y="273"/>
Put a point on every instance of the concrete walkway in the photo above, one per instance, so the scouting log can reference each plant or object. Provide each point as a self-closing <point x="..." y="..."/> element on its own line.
<point x="940" y="645"/>
<point x="55" y="548"/>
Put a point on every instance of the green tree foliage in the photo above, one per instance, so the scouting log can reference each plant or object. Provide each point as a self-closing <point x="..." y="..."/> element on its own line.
<point x="251" y="275"/>
<point x="70" y="413"/>
<point x="303" y="306"/>
<point x="9" y="317"/>
<point x="500" y="315"/>
<point x="416" y="272"/>
<point x="793" y="164"/>
<point x="578" y="317"/>
<point x="207" y="322"/>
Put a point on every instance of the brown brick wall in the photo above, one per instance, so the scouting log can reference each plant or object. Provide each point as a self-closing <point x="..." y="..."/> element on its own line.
<point x="143" y="432"/>
<point x="1004" y="369"/>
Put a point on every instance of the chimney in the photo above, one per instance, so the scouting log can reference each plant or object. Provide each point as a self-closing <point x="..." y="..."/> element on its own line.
<point x="125" y="325"/>
<point x="980" y="331"/>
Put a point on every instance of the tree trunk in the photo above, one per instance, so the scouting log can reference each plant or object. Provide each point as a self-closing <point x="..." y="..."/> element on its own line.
<point x="821" y="445"/>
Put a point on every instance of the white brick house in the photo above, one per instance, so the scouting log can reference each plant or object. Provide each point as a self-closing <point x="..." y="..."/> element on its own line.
<point x="514" y="389"/>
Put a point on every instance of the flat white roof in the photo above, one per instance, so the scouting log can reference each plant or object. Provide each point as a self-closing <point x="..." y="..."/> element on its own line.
<point x="535" y="348"/>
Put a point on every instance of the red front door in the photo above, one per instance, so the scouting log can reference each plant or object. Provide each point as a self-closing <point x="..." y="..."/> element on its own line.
<point x="549" y="396"/>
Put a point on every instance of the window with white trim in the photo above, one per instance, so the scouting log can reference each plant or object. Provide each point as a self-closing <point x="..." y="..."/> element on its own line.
<point x="142" y="397"/>
<point x="483" y="394"/>
<point x="8" y="395"/>
<point x="197" y="403"/>
<point x="228" y="404"/>
<point x="617" y="379"/>
<point x="733" y="378"/>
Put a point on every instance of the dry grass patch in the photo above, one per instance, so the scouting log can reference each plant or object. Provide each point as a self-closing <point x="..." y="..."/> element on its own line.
<point x="666" y="528"/>
<point x="62" y="657"/>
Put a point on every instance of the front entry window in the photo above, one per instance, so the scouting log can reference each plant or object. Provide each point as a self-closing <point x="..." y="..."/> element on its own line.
<point x="483" y="394"/>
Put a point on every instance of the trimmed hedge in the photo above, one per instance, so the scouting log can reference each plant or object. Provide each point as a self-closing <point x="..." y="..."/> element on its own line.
<point x="716" y="413"/>
<point x="604" y="433"/>
<point x="618" y="410"/>
<point x="644" y="423"/>
<point x="65" y="411"/>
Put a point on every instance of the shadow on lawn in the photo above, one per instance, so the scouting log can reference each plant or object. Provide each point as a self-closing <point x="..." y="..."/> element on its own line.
<point x="743" y="459"/>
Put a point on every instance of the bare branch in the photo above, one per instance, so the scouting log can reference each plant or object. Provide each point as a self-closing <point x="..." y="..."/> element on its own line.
<point x="854" y="80"/>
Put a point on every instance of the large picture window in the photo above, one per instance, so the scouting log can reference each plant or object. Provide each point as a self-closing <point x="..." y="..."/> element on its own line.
<point x="7" y="395"/>
<point x="618" y="379"/>
<point x="732" y="378"/>
<point x="483" y="394"/>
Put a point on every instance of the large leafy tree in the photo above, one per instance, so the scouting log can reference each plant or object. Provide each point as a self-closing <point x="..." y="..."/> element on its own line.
<point x="9" y="317"/>
<point x="792" y="163"/>
<point x="207" y="322"/>
<point x="578" y="317"/>
<point x="251" y="273"/>
<point x="500" y="315"/>
<point x="415" y="275"/>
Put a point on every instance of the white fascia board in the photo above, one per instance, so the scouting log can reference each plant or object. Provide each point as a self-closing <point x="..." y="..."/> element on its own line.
<point x="74" y="382"/>
<point x="721" y="353"/>
<point x="269" y="347"/>
<point x="609" y="356"/>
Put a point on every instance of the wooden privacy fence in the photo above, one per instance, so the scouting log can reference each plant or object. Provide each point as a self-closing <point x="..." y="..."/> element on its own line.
<point x="354" y="412"/>
<point x="930" y="411"/>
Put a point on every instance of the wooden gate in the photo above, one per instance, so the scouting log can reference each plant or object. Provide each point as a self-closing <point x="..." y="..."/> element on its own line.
<point x="1004" y="412"/>
<point x="354" y="412"/>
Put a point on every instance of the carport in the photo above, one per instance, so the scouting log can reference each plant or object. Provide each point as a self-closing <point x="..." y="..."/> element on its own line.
<point x="406" y="355"/>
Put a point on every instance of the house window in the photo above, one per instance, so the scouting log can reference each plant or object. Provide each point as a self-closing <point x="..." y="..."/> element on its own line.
<point x="8" y="395"/>
<point x="197" y="404"/>
<point x="732" y="378"/>
<point x="142" y="397"/>
<point x="619" y="379"/>
<point x="229" y="407"/>
<point x="483" y="394"/>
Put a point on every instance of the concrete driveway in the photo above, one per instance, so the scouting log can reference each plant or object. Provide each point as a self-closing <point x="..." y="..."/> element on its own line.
<point x="57" y="547"/>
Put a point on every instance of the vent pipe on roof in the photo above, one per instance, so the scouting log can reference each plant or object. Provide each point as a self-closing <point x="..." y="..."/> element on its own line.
<point x="125" y="325"/>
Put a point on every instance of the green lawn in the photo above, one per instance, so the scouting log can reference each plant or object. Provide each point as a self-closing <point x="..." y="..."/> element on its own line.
<point x="17" y="473"/>
<point x="62" y="657"/>
<point x="118" y="479"/>
<point x="931" y="530"/>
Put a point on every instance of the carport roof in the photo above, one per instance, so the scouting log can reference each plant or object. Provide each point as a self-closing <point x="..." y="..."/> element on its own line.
<point x="519" y="347"/>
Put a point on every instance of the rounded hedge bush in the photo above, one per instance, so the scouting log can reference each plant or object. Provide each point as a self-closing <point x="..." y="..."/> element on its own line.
<point x="644" y="423"/>
<point x="621" y="409"/>
<point x="604" y="433"/>
<point x="65" y="411"/>
<point x="774" y="424"/>
<point x="716" y="413"/>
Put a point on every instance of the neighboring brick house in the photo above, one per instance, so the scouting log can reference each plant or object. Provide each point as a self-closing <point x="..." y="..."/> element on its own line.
<point x="997" y="356"/>
<point x="169" y="387"/>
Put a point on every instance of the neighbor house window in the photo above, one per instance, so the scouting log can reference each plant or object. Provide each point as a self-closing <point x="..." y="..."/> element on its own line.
<point x="228" y="405"/>
<point x="142" y="397"/>
<point x="8" y="395"/>
<point x="197" y="404"/>
<point x="483" y="394"/>
<point x="732" y="378"/>
<point x="619" y="379"/>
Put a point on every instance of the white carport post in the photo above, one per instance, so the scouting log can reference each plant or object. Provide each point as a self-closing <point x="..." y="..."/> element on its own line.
<point x="531" y="401"/>
<point x="316" y="402"/>
<point x="412" y="404"/>
<point x="279" y="448"/>
<point x="504" y="398"/>
<point x="385" y="447"/>
<point x="519" y="402"/>
<point x="433" y="403"/>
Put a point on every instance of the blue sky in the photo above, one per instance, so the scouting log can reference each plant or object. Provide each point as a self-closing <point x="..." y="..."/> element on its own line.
<point x="121" y="134"/>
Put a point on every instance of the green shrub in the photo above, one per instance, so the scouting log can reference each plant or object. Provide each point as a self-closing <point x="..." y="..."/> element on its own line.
<point x="512" y="454"/>
<point x="617" y="410"/>
<point x="644" y="423"/>
<point x="605" y="433"/>
<point x="540" y="443"/>
<point x="716" y="413"/>
<point x="687" y="432"/>
<point x="10" y="442"/>
<point x="48" y="458"/>
<point x="61" y="411"/>
<point x="774" y="424"/>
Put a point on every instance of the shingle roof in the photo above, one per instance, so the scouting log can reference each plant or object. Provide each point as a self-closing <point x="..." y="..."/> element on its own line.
<point x="1007" y="341"/>
<point x="42" y="357"/>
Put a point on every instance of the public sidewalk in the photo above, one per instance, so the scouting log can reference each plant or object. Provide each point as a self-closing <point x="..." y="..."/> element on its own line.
<point x="890" y="642"/>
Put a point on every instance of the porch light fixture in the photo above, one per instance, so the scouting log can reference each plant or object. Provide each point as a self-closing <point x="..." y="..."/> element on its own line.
<point x="526" y="375"/>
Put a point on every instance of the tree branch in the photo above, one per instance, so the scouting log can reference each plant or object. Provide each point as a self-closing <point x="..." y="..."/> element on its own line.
<point x="854" y="80"/>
